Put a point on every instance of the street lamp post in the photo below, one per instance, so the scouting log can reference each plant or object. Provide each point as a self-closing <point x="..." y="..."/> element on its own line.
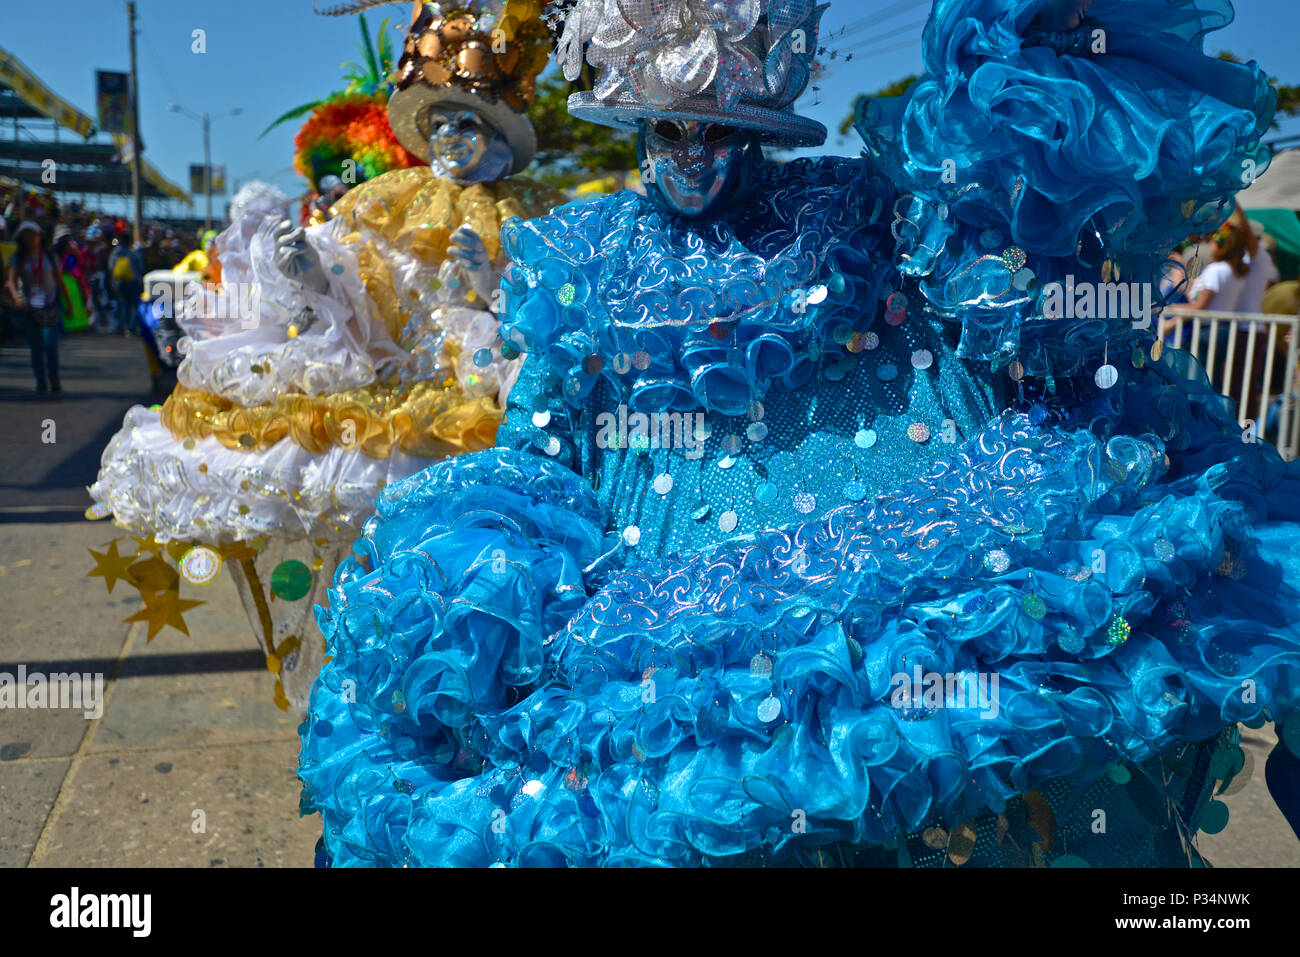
<point x="206" y="121"/>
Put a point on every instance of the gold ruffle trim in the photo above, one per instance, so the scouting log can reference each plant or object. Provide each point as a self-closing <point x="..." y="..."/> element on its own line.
<point x="423" y="419"/>
<point x="417" y="212"/>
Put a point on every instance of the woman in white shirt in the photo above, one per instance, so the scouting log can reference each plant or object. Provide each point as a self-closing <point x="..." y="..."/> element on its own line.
<point x="1235" y="281"/>
<point x="1221" y="285"/>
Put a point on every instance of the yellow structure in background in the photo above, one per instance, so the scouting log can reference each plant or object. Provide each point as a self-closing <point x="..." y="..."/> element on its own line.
<point x="610" y="184"/>
<point x="40" y="97"/>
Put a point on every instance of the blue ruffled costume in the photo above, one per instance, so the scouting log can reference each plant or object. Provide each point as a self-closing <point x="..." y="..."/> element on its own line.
<point x="758" y="474"/>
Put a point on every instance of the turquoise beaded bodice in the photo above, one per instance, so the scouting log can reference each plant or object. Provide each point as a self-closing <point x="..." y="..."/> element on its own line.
<point x="860" y="427"/>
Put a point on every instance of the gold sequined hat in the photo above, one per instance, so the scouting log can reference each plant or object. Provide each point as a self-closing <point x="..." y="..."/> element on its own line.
<point x="480" y="55"/>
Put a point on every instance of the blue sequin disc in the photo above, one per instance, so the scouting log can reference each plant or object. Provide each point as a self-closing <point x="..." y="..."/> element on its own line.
<point x="769" y="709"/>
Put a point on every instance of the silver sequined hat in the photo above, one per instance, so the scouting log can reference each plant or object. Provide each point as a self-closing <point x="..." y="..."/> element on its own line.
<point x="738" y="62"/>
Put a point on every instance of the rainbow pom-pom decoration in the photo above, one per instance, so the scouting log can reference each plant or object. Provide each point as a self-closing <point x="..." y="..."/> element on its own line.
<point x="350" y="126"/>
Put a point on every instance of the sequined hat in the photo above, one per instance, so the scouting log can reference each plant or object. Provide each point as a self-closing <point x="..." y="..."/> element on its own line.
<point x="480" y="55"/>
<point x="738" y="62"/>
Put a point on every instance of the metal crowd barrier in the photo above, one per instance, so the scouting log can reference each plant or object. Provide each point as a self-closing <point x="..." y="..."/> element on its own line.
<point x="1253" y="394"/>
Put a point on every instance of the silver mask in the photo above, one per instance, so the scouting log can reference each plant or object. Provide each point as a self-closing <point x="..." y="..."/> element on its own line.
<point x="694" y="169"/>
<point x="465" y="148"/>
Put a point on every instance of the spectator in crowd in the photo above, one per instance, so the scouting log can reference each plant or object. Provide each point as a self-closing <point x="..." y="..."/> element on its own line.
<point x="33" y="279"/>
<point x="1222" y="282"/>
<point x="1235" y="281"/>
<point x="10" y="327"/>
<point x="1216" y="270"/>
<point x="1263" y="273"/>
<point x="1282" y="299"/>
<point x="1175" y="280"/>
<point x="95" y="265"/>
<point x="126" y="267"/>
<point x="75" y="289"/>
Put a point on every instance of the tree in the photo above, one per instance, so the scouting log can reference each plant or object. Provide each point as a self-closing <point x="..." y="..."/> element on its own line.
<point x="897" y="88"/>
<point x="569" y="150"/>
<point x="1288" y="97"/>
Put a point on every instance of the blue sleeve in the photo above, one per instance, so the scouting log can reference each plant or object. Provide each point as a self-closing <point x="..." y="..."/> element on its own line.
<point x="1043" y="165"/>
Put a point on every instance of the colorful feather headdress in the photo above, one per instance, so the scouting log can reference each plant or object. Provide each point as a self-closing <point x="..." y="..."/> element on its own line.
<point x="347" y="134"/>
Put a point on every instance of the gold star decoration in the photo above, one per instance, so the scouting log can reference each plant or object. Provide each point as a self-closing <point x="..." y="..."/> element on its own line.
<point x="154" y="575"/>
<point x="163" y="608"/>
<point x="111" y="566"/>
<point x="147" y="544"/>
<point x="275" y="660"/>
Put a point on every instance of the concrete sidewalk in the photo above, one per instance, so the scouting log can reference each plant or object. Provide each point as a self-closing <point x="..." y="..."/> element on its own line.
<point x="188" y="726"/>
<point x="188" y="722"/>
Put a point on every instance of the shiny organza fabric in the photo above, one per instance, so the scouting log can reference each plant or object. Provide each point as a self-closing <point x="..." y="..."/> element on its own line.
<point x="200" y="490"/>
<point x="1089" y="162"/>
<point x="708" y="316"/>
<point x="262" y="335"/>
<point x="540" y="658"/>
<point x="511" y="708"/>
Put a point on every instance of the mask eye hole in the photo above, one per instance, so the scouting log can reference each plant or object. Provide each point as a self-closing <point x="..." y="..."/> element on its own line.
<point x="668" y="130"/>
<point x="717" y="133"/>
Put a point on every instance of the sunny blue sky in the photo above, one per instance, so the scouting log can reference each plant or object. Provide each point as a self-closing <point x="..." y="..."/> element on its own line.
<point x="269" y="55"/>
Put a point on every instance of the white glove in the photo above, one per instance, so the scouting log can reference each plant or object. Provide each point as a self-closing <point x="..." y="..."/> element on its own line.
<point x="297" y="259"/>
<point x="470" y="255"/>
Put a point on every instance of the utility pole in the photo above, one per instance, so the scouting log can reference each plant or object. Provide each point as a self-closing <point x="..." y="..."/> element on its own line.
<point x="137" y="145"/>
<point x="207" y="168"/>
<point x="205" y="120"/>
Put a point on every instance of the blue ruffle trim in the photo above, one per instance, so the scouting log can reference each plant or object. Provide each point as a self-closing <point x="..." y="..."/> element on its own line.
<point x="694" y="709"/>
<point x="1030" y="165"/>
<point x="683" y="317"/>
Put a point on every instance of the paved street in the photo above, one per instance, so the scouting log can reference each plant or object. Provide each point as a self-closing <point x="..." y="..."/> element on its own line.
<point x="188" y="724"/>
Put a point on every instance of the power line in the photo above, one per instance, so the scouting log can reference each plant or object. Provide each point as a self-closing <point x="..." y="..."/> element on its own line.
<point x="885" y="13"/>
<point x="869" y="48"/>
<point x="158" y="64"/>
<point x="906" y="28"/>
<point x="893" y="10"/>
<point x="892" y="47"/>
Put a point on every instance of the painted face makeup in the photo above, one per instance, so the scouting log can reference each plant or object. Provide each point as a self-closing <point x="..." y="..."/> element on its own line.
<point x="465" y="148"/>
<point x="694" y="169"/>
